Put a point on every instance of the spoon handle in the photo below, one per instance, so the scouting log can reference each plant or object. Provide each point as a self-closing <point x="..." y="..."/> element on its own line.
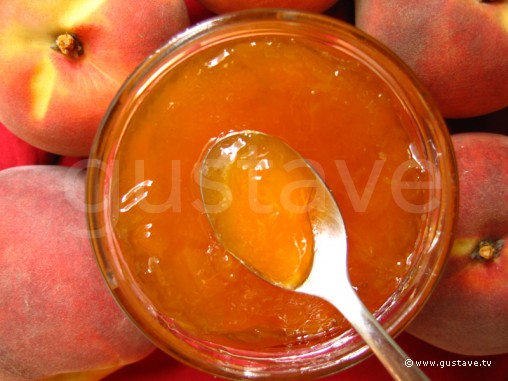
<point x="395" y="360"/>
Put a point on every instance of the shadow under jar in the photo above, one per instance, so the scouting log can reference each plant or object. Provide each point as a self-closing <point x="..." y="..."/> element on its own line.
<point x="351" y="108"/>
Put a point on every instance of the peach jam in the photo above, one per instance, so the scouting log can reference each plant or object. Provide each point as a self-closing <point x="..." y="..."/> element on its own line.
<point x="364" y="133"/>
<point x="328" y="108"/>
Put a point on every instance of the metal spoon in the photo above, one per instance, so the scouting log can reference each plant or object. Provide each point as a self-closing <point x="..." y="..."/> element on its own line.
<point x="328" y="277"/>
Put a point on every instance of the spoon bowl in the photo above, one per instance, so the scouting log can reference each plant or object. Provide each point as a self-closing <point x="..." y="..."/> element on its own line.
<point x="240" y="160"/>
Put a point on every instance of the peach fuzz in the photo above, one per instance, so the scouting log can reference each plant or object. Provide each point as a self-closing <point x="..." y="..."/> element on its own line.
<point x="54" y="100"/>
<point x="467" y="312"/>
<point x="58" y="320"/>
<point x="458" y="48"/>
<point x="224" y="6"/>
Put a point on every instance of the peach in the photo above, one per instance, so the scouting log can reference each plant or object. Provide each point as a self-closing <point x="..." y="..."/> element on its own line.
<point x="467" y="312"/>
<point x="58" y="319"/>
<point x="458" y="48"/>
<point x="63" y="61"/>
<point x="224" y="6"/>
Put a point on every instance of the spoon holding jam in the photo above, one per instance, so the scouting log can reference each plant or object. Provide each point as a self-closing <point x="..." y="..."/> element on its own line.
<point x="269" y="208"/>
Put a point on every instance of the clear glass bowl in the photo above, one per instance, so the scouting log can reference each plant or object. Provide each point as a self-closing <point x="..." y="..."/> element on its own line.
<point x="424" y="126"/>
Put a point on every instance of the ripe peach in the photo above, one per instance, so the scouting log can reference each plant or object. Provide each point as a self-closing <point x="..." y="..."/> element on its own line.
<point x="458" y="48"/>
<point x="224" y="6"/>
<point x="57" y="316"/>
<point x="63" y="61"/>
<point x="467" y="312"/>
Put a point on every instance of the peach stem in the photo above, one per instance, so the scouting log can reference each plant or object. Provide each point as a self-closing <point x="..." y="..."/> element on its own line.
<point x="489" y="249"/>
<point x="68" y="44"/>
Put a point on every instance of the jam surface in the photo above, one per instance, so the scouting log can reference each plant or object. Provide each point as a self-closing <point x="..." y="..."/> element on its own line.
<point x="330" y="108"/>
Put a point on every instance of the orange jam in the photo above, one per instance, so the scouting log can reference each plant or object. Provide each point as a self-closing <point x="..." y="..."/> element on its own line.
<point x="330" y="108"/>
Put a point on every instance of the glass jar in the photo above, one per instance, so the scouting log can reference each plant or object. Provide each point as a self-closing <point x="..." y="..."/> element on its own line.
<point x="351" y="107"/>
